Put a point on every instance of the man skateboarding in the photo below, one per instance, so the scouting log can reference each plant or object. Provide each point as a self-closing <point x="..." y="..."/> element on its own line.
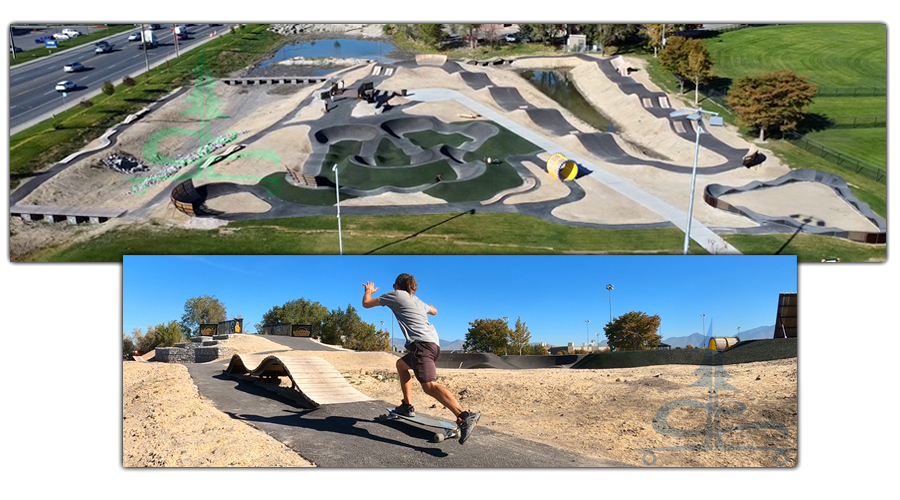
<point x="423" y="348"/>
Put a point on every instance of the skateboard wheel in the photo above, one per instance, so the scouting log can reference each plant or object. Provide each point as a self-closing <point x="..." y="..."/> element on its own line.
<point x="437" y="438"/>
<point x="382" y="418"/>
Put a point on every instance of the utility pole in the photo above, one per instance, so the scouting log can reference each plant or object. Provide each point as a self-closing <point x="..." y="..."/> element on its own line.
<point x="144" y="43"/>
<point x="12" y="42"/>
<point x="175" y="37"/>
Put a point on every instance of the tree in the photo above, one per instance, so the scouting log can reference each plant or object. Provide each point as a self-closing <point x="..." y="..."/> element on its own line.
<point x="339" y="323"/>
<point x="699" y="66"/>
<point x="108" y="88"/>
<point x="633" y="331"/>
<point x="363" y="337"/>
<point x="201" y="310"/>
<point x="127" y="346"/>
<point x="487" y="335"/>
<point x="167" y="334"/>
<point x="432" y="34"/>
<point x="535" y="350"/>
<point x="541" y="32"/>
<point x="608" y="34"/>
<point x="779" y="99"/>
<point x="654" y="34"/>
<point x="296" y="312"/>
<point x="471" y="31"/>
<point x="674" y="58"/>
<point x="520" y="337"/>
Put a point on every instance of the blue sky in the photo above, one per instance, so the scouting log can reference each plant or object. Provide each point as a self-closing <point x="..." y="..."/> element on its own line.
<point x="553" y="295"/>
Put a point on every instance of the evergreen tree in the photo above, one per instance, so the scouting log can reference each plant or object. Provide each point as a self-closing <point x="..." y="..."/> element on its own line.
<point x="519" y="337"/>
<point x="296" y="312"/>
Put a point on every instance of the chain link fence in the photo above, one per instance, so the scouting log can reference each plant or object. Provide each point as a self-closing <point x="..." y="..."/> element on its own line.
<point x="837" y="157"/>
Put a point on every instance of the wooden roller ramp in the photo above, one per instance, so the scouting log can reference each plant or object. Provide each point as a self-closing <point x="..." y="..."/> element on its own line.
<point x="316" y="379"/>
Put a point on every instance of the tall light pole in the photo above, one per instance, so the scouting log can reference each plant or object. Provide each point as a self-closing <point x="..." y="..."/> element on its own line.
<point x="382" y="329"/>
<point x="587" y="324"/>
<point x="609" y="289"/>
<point x="337" y="194"/>
<point x="505" y="349"/>
<point x="175" y="38"/>
<point x="697" y="116"/>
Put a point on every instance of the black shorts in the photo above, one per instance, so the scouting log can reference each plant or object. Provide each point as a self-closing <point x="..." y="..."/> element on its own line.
<point x="421" y="358"/>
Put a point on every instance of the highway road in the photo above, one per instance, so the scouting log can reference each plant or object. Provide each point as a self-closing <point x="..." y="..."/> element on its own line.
<point x="32" y="86"/>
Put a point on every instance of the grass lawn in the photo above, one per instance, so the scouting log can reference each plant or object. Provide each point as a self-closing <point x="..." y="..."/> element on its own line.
<point x="807" y="247"/>
<point x="42" y="145"/>
<point x="365" y="178"/>
<point x="394" y="234"/>
<point x="867" y="144"/>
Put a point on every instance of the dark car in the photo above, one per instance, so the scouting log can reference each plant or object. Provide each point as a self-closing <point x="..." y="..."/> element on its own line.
<point x="102" y="47"/>
<point x="43" y="39"/>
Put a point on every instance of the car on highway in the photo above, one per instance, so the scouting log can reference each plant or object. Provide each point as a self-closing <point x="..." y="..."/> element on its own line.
<point x="65" y="86"/>
<point x="43" y="39"/>
<point x="134" y="37"/>
<point x="71" y="33"/>
<point x="61" y="36"/>
<point x="73" y="67"/>
<point x="102" y="47"/>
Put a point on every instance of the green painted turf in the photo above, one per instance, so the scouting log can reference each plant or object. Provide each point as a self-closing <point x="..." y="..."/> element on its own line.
<point x="389" y="155"/>
<point x="366" y="178"/>
<point x="278" y="186"/>
<point x="427" y="139"/>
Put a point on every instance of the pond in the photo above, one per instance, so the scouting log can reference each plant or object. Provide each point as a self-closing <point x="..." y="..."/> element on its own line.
<point x="557" y="85"/>
<point x="340" y="48"/>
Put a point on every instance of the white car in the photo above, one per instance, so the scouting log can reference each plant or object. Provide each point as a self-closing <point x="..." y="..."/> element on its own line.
<point x="71" y="33"/>
<point x="61" y="36"/>
<point x="512" y="37"/>
<point x="65" y="86"/>
<point x="73" y="67"/>
<point x="134" y="37"/>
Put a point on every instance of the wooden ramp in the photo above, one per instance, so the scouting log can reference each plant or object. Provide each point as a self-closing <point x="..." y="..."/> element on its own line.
<point x="316" y="379"/>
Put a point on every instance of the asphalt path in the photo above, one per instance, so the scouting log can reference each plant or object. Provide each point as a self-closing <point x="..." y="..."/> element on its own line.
<point x="350" y="435"/>
<point x="32" y="86"/>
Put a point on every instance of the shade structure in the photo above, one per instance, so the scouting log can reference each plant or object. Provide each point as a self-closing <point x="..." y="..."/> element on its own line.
<point x="561" y="167"/>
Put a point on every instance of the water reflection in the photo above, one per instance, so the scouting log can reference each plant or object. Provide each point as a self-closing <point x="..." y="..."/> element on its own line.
<point x="341" y="48"/>
<point x="557" y="85"/>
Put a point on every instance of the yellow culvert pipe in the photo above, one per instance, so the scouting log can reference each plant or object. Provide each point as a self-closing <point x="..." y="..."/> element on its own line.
<point x="722" y="343"/>
<point x="561" y="167"/>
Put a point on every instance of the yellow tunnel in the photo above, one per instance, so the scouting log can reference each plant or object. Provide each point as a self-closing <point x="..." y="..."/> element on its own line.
<point x="561" y="167"/>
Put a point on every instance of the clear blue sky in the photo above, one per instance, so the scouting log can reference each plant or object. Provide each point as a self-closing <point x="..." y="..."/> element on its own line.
<point x="553" y="295"/>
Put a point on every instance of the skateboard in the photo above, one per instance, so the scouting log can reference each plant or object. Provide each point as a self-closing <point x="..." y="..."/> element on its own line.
<point x="447" y="429"/>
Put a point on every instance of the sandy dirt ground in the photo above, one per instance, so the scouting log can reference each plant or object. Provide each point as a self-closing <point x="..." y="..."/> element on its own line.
<point x="601" y="413"/>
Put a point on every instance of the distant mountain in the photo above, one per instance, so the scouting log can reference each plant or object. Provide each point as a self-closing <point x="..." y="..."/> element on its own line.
<point x="696" y="339"/>
<point x="456" y="345"/>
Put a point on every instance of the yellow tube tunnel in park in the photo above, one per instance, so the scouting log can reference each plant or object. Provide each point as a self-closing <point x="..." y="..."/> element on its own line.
<point x="562" y="168"/>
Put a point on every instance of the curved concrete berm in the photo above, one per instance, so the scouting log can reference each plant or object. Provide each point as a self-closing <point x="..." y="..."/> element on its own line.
<point x="713" y="192"/>
<point x="317" y="380"/>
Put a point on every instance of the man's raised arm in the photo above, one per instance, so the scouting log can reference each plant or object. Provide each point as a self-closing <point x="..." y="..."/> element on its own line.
<point x="368" y="301"/>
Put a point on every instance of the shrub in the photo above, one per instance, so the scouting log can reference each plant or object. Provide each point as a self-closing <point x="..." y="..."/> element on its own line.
<point x="128" y="81"/>
<point x="85" y="104"/>
<point x="108" y="88"/>
<point x="58" y="125"/>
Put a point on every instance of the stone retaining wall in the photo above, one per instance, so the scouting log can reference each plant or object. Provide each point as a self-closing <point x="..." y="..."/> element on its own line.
<point x="198" y="350"/>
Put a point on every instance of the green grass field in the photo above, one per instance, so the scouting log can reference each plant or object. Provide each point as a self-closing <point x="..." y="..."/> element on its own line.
<point x="447" y="234"/>
<point x="427" y="139"/>
<point x="828" y="55"/>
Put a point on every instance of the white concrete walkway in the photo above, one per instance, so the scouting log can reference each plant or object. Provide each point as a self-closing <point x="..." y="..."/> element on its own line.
<point x="699" y="233"/>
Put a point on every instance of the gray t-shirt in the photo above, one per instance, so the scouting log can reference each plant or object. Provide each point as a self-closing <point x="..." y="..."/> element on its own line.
<point x="412" y="315"/>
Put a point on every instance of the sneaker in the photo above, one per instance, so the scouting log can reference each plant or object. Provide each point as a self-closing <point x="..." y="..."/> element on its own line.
<point x="406" y="409"/>
<point x="466" y="423"/>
